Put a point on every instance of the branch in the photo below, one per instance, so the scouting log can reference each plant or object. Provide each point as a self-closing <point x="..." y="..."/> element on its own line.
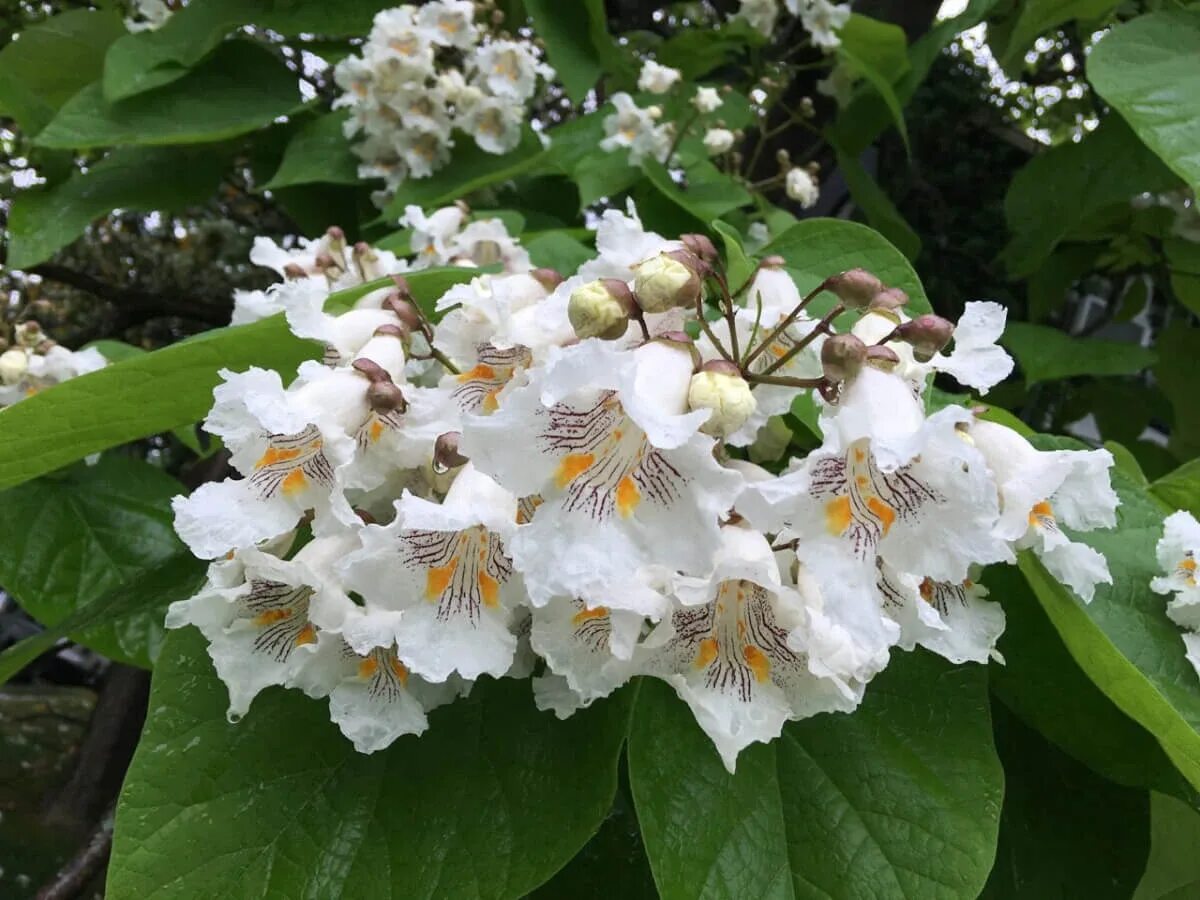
<point x="69" y="882"/>
<point x="135" y="306"/>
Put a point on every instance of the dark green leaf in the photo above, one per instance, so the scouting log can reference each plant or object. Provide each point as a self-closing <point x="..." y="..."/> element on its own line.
<point x="42" y="222"/>
<point x="489" y="803"/>
<point x="50" y="61"/>
<point x="877" y="51"/>
<point x="738" y="266"/>
<point x="1178" y="374"/>
<point x="707" y="193"/>
<point x="1173" y="869"/>
<point x="1059" y="821"/>
<point x="239" y="88"/>
<point x="558" y="250"/>
<point x="1149" y="70"/>
<point x="1180" y="489"/>
<point x="318" y="152"/>
<point x="698" y="51"/>
<point x="1184" y="258"/>
<point x="1046" y="289"/>
<point x="68" y="541"/>
<point x="569" y="47"/>
<point x="1037" y="17"/>
<point x="899" y="799"/>
<point x="1047" y="354"/>
<point x="881" y="213"/>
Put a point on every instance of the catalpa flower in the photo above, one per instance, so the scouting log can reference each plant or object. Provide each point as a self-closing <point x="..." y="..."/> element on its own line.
<point x="1177" y="552"/>
<point x="625" y="476"/>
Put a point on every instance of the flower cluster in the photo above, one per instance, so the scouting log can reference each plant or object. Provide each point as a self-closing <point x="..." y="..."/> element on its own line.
<point x="1177" y="551"/>
<point x="563" y="495"/>
<point x="426" y="71"/>
<point x="35" y="362"/>
<point x="314" y="269"/>
<point x="820" y="18"/>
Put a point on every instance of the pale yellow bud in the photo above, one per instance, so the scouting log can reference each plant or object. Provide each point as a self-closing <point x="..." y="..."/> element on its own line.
<point x="664" y="282"/>
<point x="13" y="365"/>
<point x="596" y="310"/>
<point x="728" y="398"/>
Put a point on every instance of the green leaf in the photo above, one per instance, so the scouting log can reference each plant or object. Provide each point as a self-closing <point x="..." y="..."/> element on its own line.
<point x="126" y="614"/>
<point x="1047" y="354"/>
<point x="159" y="391"/>
<point x="489" y="803"/>
<point x="1123" y="639"/>
<point x="706" y="194"/>
<point x="35" y="77"/>
<point x="1173" y="869"/>
<point x="1046" y="288"/>
<point x="1178" y="374"/>
<point x="42" y="222"/>
<point x="817" y="248"/>
<point x="1184" y="258"/>
<point x="1180" y="489"/>
<point x="557" y="250"/>
<point x="150" y="59"/>
<point x="738" y="266"/>
<point x="66" y="542"/>
<point x="1037" y="17"/>
<point x="1149" y="70"/>
<point x="877" y="206"/>
<point x="698" y="51"/>
<point x="884" y="88"/>
<point x="899" y="799"/>
<point x="569" y="47"/>
<point x="1059" y="820"/>
<point x="878" y="52"/>
<point x="239" y="88"/>
<point x="317" y="153"/>
<point x="469" y="170"/>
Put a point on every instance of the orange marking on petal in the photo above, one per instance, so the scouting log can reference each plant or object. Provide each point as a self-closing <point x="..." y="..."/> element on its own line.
<point x="376" y="430"/>
<point x="274" y="455"/>
<point x="490" y="403"/>
<point x="489" y="590"/>
<point x="271" y="616"/>
<point x="572" y="466"/>
<point x="399" y="669"/>
<point x="859" y="455"/>
<point x="837" y="515"/>
<point x="367" y="667"/>
<point x="1040" y="512"/>
<point x="481" y="372"/>
<point x="295" y="481"/>
<point x="586" y="614"/>
<point x="1188" y="564"/>
<point x="706" y="653"/>
<point x="628" y="496"/>
<point x="884" y="513"/>
<point x="438" y="578"/>
<point x="758" y="662"/>
<point x="861" y="480"/>
<point x="307" y="635"/>
<point x="926" y="590"/>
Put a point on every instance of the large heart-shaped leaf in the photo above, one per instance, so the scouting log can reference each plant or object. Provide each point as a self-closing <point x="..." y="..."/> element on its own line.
<point x="489" y="803"/>
<point x="899" y="799"/>
<point x="1047" y="354"/>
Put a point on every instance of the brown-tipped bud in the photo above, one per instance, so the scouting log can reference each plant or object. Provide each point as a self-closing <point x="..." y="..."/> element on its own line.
<point x="386" y="396"/>
<point x="721" y="366"/>
<point x="549" y="279"/>
<point x="374" y="371"/>
<point x="445" y="452"/>
<point x="889" y="299"/>
<point x="699" y="245"/>
<point x="856" y="288"/>
<point x="404" y="309"/>
<point x="324" y="262"/>
<point x="400" y="332"/>
<point x="601" y="309"/>
<point x="669" y="280"/>
<point x="773" y="261"/>
<point x="335" y="234"/>
<point x="926" y="335"/>
<point x="883" y="358"/>
<point x="292" y="271"/>
<point x="842" y="356"/>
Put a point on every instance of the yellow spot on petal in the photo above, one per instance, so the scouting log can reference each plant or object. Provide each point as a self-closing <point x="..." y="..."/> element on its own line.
<point x="1188" y="564"/>
<point x="274" y="455"/>
<point x="571" y="467"/>
<point x="271" y="616"/>
<point x="585" y="615"/>
<point x="376" y="430"/>
<point x="367" y="668"/>
<point x="481" y="372"/>
<point x="837" y="515"/>
<point x="489" y="590"/>
<point x="859" y="455"/>
<point x="706" y="653"/>
<point x="307" y="635"/>
<point x="438" y="577"/>
<point x="884" y="513"/>
<point x="295" y="481"/>
<point x="861" y="480"/>
<point x="758" y="662"/>
<point x="490" y="403"/>
<point x="1041" y="512"/>
<point x="628" y="496"/>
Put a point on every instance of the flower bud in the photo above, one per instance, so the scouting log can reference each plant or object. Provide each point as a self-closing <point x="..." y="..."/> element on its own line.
<point x="890" y="299"/>
<point x="882" y="358"/>
<point x="700" y="246"/>
<point x="29" y="334"/>
<point x="720" y="388"/>
<point x="856" y="288"/>
<point x="293" y="271"/>
<point x="549" y="279"/>
<point x="600" y="309"/>
<point x="401" y="331"/>
<point x="366" y="259"/>
<point x="405" y="311"/>
<point x="668" y="280"/>
<point x="445" y="452"/>
<point x="13" y="364"/>
<point x="842" y="356"/>
<point x="773" y="261"/>
<point x="382" y="393"/>
<point x="926" y="334"/>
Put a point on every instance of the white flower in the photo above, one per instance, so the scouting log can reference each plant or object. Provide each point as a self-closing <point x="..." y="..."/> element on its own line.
<point x="431" y="234"/>
<point x="760" y="14"/>
<point x="624" y="475"/>
<point x="14" y="364"/>
<point x="149" y="15"/>
<point x="657" y="79"/>
<point x="495" y="123"/>
<point x="718" y="141"/>
<point x="485" y="242"/>
<point x="634" y="128"/>
<point x="449" y="23"/>
<point x="422" y="110"/>
<point x="508" y="69"/>
<point x="731" y="649"/>
<point x="423" y="152"/>
<point x="727" y="397"/>
<point x="500" y="311"/>
<point x="976" y="360"/>
<point x="951" y="618"/>
<point x="706" y="99"/>
<point x="1039" y="489"/>
<point x="802" y="187"/>
<point x="1177" y="551"/>
<point x="399" y="45"/>
<point x="822" y="20"/>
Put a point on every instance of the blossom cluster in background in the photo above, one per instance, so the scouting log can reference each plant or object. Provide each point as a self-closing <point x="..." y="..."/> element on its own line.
<point x="820" y="18"/>
<point x="545" y="476"/>
<point x="35" y="362"/>
<point x="426" y="72"/>
<point x="1178" y="551"/>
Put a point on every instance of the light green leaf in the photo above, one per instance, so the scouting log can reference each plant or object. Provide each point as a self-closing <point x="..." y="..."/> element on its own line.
<point x="35" y="75"/>
<point x="877" y="206"/>
<point x="68" y="541"/>
<point x="44" y="221"/>
<point x="1059" y="821"/>
<point x="558" y="250"/>
<point x="817" y="248"/>
<point x="239" y="88"/>
<point x="738" y="266"/>
<point x="706" y="194"/>
<point x="1173" y="869"/>
<point x="899" y="799"/>
<point x="159" y="391"/>
<point x="1180" y="489"/>
<point x="1123" y="639"/>
<point x="150" y="59"/>
<point x="1037" y="17"/>
<point x="317" y="153"/>
<point x="489" y="803"/>
<point x="1149" y="70"/>
<point x="469" y="170"/>
<point x="1047" y="354"/>
<point x="1064" y="189"/>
